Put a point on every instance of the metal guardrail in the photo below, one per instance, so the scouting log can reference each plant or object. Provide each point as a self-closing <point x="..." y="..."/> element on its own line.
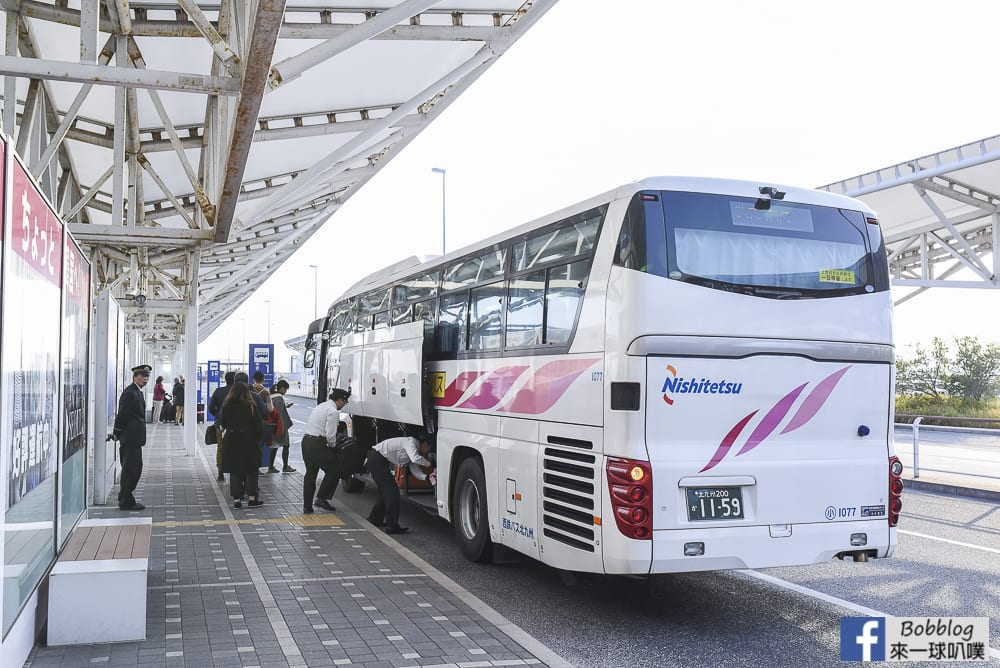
<point x="915" y="425"/>
<point x="949" y="418"/>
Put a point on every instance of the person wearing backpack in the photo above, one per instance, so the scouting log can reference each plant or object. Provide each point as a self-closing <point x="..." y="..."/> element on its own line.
<point x="273" y="428"/>
<point x="278" y="399"/>
<point x="320" y="437"/>
<point x="215" y="408"/>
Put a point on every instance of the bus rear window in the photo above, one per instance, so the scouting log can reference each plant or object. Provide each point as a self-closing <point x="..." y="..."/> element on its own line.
<point x="775" y="249"/>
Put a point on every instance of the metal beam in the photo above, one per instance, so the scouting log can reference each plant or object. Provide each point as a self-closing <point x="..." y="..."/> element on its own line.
<point x="317" y="170"/>
<point x="34" y="68"/>
<point x="140" y="236"/>
<point x="229" y="59"/>
<point x="250" y="267"/>
<point x="259" y="54"/>
<point x="316" y="29"/>
<point x="292" y="68"/>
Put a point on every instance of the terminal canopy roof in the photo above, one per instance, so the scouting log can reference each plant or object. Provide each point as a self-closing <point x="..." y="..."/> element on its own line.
<point x="193" y="146"/>
<point x="939" y="216"/>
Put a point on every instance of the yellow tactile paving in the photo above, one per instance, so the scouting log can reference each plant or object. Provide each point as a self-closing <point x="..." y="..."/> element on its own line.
<point x="210" y="523"/>
<point x="315" y="520"/>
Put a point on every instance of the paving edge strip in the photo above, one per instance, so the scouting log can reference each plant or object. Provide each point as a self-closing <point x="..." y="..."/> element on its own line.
<point x="509" y="628"/>
<point x="290" y="648"/>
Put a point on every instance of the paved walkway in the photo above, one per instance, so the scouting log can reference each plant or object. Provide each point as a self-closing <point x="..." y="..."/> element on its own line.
<point x="269" y="587"/>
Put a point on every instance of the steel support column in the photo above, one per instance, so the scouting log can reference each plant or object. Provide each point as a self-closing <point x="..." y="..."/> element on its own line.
<point x="101" y="387"/>
<point x="190" y="364"/>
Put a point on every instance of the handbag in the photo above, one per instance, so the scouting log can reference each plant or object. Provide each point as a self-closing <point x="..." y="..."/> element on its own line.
<point x="211" y="435"/>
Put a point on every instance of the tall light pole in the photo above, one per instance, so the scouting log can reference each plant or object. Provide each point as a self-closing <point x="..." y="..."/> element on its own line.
<point x="268" y="302"/>
<point x="315" y="291"/>
<point x="438" y="170"/>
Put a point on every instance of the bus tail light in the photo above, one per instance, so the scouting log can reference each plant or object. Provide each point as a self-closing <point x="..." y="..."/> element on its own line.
<point x="895" y="490"/>
<point x="631" y="485"/>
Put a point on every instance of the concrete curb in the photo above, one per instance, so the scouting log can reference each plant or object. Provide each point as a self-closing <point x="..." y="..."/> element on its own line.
<point x="953" y="490"/>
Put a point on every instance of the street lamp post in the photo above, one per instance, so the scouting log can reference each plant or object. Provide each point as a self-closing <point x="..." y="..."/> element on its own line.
<point x="438" y="170"/>
<point x="268" y="302"/>
<point x="315" y="291"/>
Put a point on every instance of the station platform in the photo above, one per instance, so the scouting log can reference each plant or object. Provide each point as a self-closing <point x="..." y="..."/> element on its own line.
<point x="270" y="587"/>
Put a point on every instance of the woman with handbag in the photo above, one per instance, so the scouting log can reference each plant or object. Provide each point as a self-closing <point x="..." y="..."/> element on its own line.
<point x="278" y="399"/>
<point x="243" y="429"/>
<point x="159" y="394"/>
<point x="272" y="431"/>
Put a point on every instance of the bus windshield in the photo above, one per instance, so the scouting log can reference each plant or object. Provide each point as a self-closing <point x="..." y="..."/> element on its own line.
<point x="766" y="248"/>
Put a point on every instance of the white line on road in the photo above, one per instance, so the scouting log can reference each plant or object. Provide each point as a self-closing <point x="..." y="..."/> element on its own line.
<point x="952" y="542"/>
<point x="829" y="598"/>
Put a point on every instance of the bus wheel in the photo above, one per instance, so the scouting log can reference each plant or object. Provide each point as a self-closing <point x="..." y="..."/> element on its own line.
<point x="472" y="527"/>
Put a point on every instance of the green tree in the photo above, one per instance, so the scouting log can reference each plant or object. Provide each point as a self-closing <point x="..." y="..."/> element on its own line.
<point x="927" y="372"/>
<point x="975" y="371"/>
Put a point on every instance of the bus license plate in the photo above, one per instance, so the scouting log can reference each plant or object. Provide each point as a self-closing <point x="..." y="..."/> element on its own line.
<point x="714" y="503"/>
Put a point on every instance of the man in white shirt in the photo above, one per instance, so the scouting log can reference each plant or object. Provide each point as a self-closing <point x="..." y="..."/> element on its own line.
<point x="320" y="437"/>
<point x="392" y="452"/>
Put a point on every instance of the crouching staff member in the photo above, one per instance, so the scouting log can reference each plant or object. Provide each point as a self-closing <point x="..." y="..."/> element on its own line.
<point x="320" y="436"/>
<point x="391" y="452"/>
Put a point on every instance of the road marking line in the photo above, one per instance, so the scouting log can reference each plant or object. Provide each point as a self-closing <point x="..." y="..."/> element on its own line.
<point x="831" y="599"/>
<point x="949" y="541"/>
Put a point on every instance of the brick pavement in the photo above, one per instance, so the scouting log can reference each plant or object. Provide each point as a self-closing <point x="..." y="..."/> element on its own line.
<point x="267" y="587"/>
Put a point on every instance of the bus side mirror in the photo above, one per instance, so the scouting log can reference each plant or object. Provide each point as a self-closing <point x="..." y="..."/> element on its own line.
<point x="309" y="359"/>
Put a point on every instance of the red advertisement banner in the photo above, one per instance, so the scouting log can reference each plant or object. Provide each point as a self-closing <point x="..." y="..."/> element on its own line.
<point x="77" y="275"/>
<point x="36" y="232"/>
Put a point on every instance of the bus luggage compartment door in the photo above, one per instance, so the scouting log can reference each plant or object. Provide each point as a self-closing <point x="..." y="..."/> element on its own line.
<point x="389" y="374"/>
<point x="812" y="436"/>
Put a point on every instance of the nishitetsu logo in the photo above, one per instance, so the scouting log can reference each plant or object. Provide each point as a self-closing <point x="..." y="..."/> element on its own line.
<point x="806" y="411"/>
<point x="679" y="385"/>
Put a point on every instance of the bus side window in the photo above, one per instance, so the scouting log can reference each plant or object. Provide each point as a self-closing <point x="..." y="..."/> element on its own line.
<point x="642" y="243"/>
<point x="453" y="322"/>
<point x="526" y="310"/>
<point x="402" y="315"/>
<point x="562" y="300"/>
<point x="485" y="317"/>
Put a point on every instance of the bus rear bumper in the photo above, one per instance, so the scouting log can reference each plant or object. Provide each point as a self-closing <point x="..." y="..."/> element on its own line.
<point x="724" y="548"/>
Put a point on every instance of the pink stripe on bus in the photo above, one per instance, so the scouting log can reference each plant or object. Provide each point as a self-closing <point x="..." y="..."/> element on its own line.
<point x="546" y="386"/>
<point x="458" y="387"/>
<point x="492" y="390"/>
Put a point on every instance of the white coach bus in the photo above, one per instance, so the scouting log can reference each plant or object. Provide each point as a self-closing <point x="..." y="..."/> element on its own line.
<point x="678" y="375"/>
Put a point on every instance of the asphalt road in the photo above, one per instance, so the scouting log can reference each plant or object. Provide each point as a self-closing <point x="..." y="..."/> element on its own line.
<point x="947" y="564"/>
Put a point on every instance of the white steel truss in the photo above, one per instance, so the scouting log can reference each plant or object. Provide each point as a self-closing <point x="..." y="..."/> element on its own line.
<point x="188" y="146"/>
<point x="939" y="215"/>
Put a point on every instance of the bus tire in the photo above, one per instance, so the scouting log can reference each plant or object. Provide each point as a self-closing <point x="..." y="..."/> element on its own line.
<point x="472" y="527"/>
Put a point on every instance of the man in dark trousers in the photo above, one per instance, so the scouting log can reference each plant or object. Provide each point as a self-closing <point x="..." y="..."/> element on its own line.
<point x="383" y="458"/>
<point x="130" y="432"/>
<point x="215" y="408"/>
<point x="320" y="436"/>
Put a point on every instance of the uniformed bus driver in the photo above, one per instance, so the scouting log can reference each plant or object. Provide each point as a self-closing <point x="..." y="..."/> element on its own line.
<point x="320" y="436"/>
<point x="130" y="432"/>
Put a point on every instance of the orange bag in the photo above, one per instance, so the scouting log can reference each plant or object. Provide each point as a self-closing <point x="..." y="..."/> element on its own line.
<point x="405" y="481"/>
